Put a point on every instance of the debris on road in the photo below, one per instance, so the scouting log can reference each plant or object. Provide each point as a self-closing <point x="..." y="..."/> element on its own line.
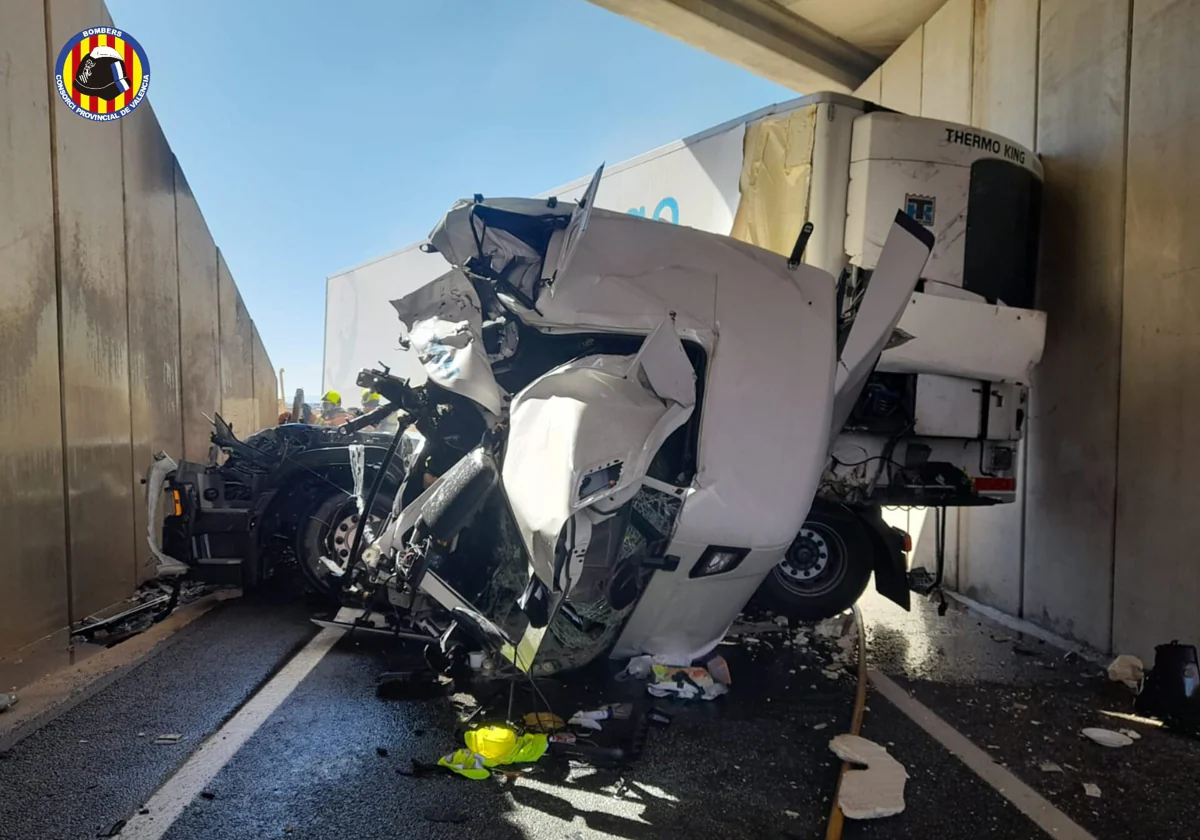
<point x="1127" y="669"/>
<point x="582" y="720"/>
<point x="590" y="719"/>
<point x="114" y="829"/>
<point x="659" y="717"/>
<point x="381" y="752"/>
<point x="1049" y="767"/>
<point x="169" y="738"/>
<point x="1131" y="733"/>
<point x="793" y="814"/>
<point x="8" y="699"/>
<point x="741" y="628"/>
<point x="637" y="668"/>
<point x="1106" y="737"/>
<point x="877" y="791"/>
<point x="685" y="683"/>
<point x="544" y="722"/>
<point x="837" y="627"/>
<point x="445" y="814"/>
<point x="1091" y="789"/>
<point x="719" y="668"/>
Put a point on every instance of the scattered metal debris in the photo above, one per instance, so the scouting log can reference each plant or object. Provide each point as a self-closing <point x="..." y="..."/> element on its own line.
<point x="169" y="738"/>
<point x="877" y="791"/>
<point x="1091" y="789"/>
<point x="1049" y="767"/>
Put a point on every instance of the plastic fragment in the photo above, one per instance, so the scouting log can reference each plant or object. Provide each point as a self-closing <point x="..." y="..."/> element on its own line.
<point x="877" y="791"/>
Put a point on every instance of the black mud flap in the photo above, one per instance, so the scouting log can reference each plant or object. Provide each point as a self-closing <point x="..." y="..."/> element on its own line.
<point x="891" y="565"/>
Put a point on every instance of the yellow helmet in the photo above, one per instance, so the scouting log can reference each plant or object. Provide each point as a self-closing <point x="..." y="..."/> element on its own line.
<point x="371" y="396"/>
<point x="332" y="397"/>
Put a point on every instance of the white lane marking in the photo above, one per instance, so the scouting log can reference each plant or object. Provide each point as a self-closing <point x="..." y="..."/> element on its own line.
<point x="189" y="781"/>
<point x="1027" y="800"/>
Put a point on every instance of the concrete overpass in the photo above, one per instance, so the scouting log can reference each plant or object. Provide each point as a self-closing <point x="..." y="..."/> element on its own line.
<point x="806" y="45"/>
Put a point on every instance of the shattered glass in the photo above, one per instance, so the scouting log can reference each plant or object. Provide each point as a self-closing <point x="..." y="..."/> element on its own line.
<point x="660" y="509"/>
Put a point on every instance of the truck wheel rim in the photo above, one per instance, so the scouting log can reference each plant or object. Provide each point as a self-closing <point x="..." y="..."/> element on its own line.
<point x="815" y="562"/>
<point x="339" y="539"/>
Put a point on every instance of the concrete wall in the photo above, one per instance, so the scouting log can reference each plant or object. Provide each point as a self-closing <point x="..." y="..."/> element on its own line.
<point x="112" y="331"/>
<point x="1102" y="547"/>
<point x="1157" y="564"/>
<point x="34" y="598"/>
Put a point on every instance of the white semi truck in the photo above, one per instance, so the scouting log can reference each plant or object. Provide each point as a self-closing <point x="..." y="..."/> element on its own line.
<point x="939" y="419"/>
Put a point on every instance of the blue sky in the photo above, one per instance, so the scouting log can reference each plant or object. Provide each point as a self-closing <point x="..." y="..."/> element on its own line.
<point x="318" y="135"/>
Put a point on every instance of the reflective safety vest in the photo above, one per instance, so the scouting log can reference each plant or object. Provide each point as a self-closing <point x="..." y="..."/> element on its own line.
<point x="494" y="746"/>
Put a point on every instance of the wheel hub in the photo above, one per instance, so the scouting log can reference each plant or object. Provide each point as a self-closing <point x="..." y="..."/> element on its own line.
<point x="807" y="557"/>
<point x="341" y="539"/>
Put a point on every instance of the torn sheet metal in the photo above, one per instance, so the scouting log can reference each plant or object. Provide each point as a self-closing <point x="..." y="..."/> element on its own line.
<point x="966" y="338"/>
<point x="453" y="356"/>
<point x="569" y="242"/>
<point x="585" y="432"/>
<point x="445" y="324"/>
<point x="502" y="239"/>
<point x="896" y="274"/>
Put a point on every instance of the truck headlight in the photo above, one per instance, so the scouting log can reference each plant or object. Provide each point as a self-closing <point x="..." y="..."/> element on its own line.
<point x="718" y="559"/>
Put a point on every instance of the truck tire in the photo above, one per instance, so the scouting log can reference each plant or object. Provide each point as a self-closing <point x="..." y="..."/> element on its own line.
<point x="328" y="531"/>
<point x="826" y="569"/>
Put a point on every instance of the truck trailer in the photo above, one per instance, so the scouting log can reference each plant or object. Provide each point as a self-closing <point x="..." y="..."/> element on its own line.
<point x="939" y="421"/>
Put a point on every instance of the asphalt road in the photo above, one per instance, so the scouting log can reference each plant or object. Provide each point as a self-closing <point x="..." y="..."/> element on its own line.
<point x="335" y="759"/>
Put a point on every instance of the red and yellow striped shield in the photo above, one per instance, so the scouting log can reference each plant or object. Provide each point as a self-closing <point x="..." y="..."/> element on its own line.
<point x="102" y="73"/>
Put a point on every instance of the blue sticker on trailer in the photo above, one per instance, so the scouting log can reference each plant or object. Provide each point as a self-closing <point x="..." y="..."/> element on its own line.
<point x="920" y="208"/>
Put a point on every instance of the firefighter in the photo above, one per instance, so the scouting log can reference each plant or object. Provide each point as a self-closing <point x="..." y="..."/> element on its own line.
<point x="332" y="413"/>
